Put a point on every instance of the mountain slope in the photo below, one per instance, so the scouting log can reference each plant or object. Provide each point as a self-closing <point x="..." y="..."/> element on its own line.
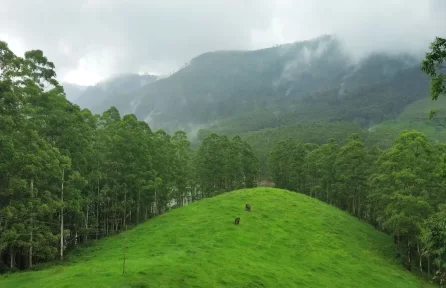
<point x="287" y="240"/>
<point x="414" y="116"/>
<point x="220" y="84"/>
<point x="73" y="91"/>
<point x="115" y="91"/>
<point x="312" y="80"/>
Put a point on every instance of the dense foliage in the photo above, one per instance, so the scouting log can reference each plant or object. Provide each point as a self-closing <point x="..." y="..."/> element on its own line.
<point x="67" y="176"/>
<point x="433" y="65"/>
<point x="400" y="190"/>
<point x="382" y="135"/>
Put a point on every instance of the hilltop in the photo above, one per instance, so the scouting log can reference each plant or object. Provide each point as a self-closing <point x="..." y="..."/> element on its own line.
<point x="288" y="240"/>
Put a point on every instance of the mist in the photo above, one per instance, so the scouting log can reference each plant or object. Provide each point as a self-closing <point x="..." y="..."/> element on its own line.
<point x="91" y="40"/>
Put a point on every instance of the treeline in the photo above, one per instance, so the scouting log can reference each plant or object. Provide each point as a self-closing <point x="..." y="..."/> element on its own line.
<point x="68" y="176"/>
<point x="400" y="190"/>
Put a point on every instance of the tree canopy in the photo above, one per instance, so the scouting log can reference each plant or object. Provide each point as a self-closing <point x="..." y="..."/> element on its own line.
<point x="433" y="65"/>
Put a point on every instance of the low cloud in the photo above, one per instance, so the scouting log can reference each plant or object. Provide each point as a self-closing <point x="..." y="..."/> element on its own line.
<point x="92" y="39"/>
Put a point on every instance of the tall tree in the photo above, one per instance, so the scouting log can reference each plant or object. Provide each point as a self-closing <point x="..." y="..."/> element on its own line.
<point x="351" y="176"/>
<point x="433" y="65"/>
<point x="402" y="189"/>
<point x="183" y="166"/>
<point x="320" y="171"/>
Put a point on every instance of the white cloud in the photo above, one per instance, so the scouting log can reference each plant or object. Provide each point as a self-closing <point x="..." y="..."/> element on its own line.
<point x="89" y="40"/>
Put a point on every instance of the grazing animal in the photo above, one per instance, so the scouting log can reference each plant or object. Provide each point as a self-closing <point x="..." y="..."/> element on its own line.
<point x="248" y="207"/>
<point x="237" y="220"/>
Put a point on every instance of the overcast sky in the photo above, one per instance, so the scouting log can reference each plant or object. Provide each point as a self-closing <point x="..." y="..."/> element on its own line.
<point x="89" y="40"/>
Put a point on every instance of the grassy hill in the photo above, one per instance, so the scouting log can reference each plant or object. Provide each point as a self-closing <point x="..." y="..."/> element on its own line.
<point x="288" y="240"/>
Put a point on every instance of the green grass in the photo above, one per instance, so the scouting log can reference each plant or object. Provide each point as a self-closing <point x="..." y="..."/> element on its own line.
<point x="288" y="240"/>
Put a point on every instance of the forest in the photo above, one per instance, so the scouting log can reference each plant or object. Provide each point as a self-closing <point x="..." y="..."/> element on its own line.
<point x="68" y="176"/>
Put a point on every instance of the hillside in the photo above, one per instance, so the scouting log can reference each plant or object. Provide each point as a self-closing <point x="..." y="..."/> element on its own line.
<point x="115" y="91"/>
<point x="73" y="91"/>
<point x="262" y="130"/>
<point x="263" y="141"/>
<point x="288" y="240"/>
<point x="414" y="116"/>
<point x="362" y="103"/>
<point x="314" y="80"/>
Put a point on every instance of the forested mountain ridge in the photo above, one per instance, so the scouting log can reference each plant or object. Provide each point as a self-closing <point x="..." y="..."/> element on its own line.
<point x="314" y="80"/>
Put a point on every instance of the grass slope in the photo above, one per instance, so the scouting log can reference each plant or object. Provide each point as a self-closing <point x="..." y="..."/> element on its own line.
<point x="288" y="240"/>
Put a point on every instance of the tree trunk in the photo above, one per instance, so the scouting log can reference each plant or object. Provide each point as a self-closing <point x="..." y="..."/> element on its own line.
<point x="11" y="258"/>
<point x="86" y="225"/>
<point x="114" y="222"/>
<point x="97" y="214"/>
<point x="353" y="207"/>
<point x="409" y="257"/>
<point x="419" y="254"/>
<point x="182" y="197"/>
<point x="124" y="224"/>
<point x="106" y="223"/>
<point x="30" y="255"/>
<point x="429" y="266"/>
<point x="155" y="203"/>
<point x="327" y="193"/>
<point x="137" y="206"/>
<point x="61" y="218"/>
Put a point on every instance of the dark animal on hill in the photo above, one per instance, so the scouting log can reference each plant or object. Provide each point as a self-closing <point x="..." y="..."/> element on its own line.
<point x="237" y="220"/>
<point x="248" y="207"/>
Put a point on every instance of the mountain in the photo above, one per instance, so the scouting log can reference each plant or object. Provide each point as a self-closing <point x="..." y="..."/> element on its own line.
<point x="287" y="240"/>
<point x="241" y="91"/>
<point x="223" y="84"/>
<point x="73" y="91"/>
<point x="116" y="91"/>
<point x="311" y="80"/>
